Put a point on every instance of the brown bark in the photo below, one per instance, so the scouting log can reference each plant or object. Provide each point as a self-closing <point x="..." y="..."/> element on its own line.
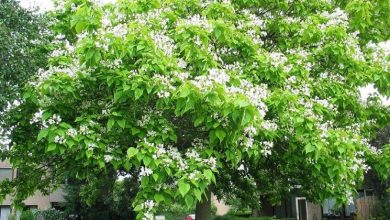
<point x="203" y="208"/>
<point x="255" y="213"/>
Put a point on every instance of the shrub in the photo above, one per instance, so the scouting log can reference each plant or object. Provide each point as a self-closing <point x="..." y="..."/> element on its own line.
<point x="50" y="214"/>
<point x="27" y="215"/>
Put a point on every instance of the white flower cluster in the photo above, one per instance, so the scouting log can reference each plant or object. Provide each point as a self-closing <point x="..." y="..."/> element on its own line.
<point x="166" y="83"/>
<point x="199" y="143"/>
<point x="145" y="119"/>
<point x="277" y="59"/>
<point x="161" y="151"/>
<point x="84" y="130"/>
<point x="164" y="43"/>
<point x="266" y="148"/>
<point x="152" y="15"/>
<point x="248" y="137"/>
<point x="325" y="103"/>
<point x="255" y="21"/>
<point x="298" y="89"/>
<point x="59" y="139"/>
<point x="108" y="158"/>
<point x="195" y="176"/>
<point x="269" y="125"/>
<point x="218" y="76"/>
<point x="38" y="119"/>
<point x="91" y="146"/>
<point x="196" y="20"/>
<point x="145" y="171"/>
<point x="337" y="18"/>
<point x="359" y="162"/>
<point x="148" y="206"/>
<point x="255" y="94"/>
<point x="380" y="53"/>
<point x="212" y="162"/>
<point x="364" y="142"/>
<point x="332" y="76"/>
<point x="119" y="30"/>
<point x="71" y="132"/>
<point x="324" y="130"/>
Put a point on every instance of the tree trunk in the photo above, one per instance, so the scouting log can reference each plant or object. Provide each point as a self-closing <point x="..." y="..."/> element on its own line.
<point x="255" y="213"/>
<point x="203" y="208"/>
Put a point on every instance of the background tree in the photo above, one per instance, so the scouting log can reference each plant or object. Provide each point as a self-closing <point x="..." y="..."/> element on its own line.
<point x="23" y="48"/>
<point x="112" y="199"/>
<point x="182" y="94"/>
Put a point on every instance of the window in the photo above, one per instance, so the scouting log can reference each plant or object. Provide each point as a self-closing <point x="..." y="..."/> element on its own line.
<point x="329" y="208"/>
<point x="5" y="173"/>
<point x="5" y="211"/>
<point x="369" y="192"/>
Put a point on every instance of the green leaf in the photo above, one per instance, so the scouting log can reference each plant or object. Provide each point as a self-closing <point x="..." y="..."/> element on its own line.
<point x="147" y="160"/>
<point x="131" y="152"/>
<point x="299" y="120"/>
<point x="189" y="201"/>
<point x="110" y="123"/>
<point x="122" y="123"/>
<point x="221" y="134"/>
<point x="159" y="198"/>
<point x="51" y="147"/>
<point x="89" y="153"/>
<point x="198" y="121"/>
<point x="118" y="95"/>
<point x="138" y="93"/>
<point x="140" y="47"/>
<point x="246" y="118"/>
<point x="183" y="187"/>
<point x="198" y="194"/>
<point x="155" y="176"/>
<point x="309" y="148"/>
<point x="208" y="174"/>
<point x="185" y="91"/>
<point x="42" y="134"/>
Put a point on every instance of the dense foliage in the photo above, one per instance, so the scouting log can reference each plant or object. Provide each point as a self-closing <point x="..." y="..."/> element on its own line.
<point x="23" y="48"/>
<point x="242" y="97"/>
<point x="111" y="199"/>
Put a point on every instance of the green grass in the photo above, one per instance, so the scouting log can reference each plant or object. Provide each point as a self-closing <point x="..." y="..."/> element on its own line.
<point x="176" y="216"/>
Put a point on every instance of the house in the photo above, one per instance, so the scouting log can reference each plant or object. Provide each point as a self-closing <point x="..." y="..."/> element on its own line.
<point x="299" y="208"/>
<point x="296" y="207"/>
<point x="38" y="200"/>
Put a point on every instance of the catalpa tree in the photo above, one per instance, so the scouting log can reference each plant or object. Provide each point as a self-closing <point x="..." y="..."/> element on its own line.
<point x="193" y="96"/>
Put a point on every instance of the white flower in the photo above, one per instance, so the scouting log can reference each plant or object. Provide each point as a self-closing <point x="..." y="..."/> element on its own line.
<point x="59" y="140"/>
<point x="71" y="132"/>
<point x="92" y="146"/>
<point x="163" y="42"/>
<point x="108" y="158"/>
<point x="212" y="162"/>
<point x="37" y="117"/>
<point x="84" y="130"/>
<point x="148" y="205"/>
<point x="267" y="146"/>
<point x="182" y="64"/>
<point x="145" y="172"/>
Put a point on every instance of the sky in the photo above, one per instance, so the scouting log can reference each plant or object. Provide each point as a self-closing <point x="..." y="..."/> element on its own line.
<point x="45" y="5"/>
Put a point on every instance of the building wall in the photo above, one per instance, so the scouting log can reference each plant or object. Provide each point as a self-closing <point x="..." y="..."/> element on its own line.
<point x="222" y="208"/>
<point x="365" y="206"/>
<point x="314" y="211"/>
<point x="38" y="199"/>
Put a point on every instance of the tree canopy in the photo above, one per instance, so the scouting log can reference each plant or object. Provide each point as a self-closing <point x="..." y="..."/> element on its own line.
<point x="195" y="95"/>
<point x="23" y="48"/>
